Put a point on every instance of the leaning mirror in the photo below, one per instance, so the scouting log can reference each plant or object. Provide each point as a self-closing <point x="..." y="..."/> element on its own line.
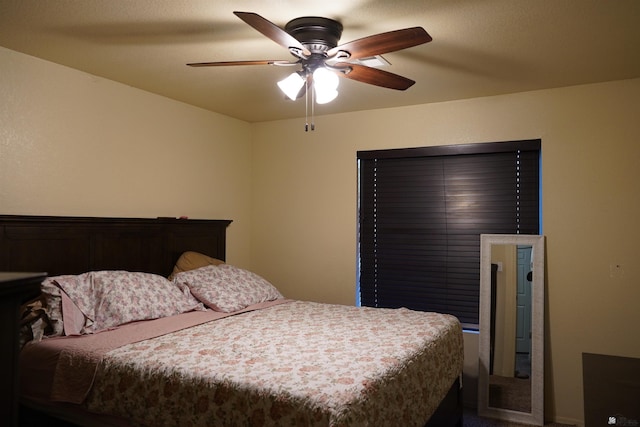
<point x="511" y="369"/>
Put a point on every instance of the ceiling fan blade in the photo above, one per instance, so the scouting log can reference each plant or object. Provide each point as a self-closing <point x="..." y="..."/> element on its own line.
<point x="374" y="76"/>
<point x="272" y="31"/>
<point x="226" y="63"/>
<point x="379" y="44"/>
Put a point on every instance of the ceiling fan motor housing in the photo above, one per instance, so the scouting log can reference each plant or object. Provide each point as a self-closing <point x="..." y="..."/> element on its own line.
<point x="315" y="33"/>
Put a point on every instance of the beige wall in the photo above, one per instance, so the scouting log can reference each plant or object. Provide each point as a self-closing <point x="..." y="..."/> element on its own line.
<point x="75" y="144"/>
<point x="304" y="208"/>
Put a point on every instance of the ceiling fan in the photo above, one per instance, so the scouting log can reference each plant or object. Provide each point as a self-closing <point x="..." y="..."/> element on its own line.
<point x="313" y="41"/>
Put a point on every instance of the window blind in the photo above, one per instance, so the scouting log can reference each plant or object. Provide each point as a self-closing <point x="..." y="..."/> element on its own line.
<point x="421" y="213"/>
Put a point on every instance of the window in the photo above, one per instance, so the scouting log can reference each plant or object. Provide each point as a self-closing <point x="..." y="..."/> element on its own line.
<point x="421" y="213"/>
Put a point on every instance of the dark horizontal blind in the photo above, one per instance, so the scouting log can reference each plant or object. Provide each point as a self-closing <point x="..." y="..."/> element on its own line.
<point x="421" y="215"/>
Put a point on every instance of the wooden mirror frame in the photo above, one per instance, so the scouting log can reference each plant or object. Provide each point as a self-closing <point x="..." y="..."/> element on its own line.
<point x="536" y="416"/>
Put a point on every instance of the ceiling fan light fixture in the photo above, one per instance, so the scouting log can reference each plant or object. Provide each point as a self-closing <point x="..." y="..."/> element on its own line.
<point x="324" y="97"/>
<point x="325" y="84"/>
<point x="326" y="79"/>
<point x="292" y="85"/>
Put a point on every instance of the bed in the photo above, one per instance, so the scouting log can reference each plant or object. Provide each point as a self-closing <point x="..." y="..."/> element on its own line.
<point x="235" y="352"/>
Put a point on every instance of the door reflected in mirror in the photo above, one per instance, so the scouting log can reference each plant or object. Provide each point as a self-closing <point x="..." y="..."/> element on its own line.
<point x="511" y="327"/>
<point x="510" y="358"/>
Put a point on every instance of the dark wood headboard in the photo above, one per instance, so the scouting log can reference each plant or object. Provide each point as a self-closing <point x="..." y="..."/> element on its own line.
<point x="74" y="245"/>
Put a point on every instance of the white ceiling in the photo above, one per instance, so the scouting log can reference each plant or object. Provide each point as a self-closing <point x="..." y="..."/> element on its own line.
<point x="479" y="47"/>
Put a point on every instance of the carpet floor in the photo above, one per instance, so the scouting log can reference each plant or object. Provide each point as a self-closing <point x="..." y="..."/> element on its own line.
<point x="510" y="393"/>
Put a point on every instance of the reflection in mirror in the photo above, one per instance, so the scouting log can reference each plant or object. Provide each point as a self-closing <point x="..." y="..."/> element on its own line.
<point x="511" y="328"/>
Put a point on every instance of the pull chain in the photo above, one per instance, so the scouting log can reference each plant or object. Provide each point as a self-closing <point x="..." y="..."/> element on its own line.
<point x="309" y="100"/>
<point x="313" y="107"/>
<point x="306" y="106"/>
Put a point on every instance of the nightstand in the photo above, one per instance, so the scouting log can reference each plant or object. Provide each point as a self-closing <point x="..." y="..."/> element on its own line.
<point x="15" y="289"/>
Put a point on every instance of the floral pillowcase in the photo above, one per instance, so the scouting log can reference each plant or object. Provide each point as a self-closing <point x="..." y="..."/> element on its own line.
<point x="227" y="288"/>
<point x="100" y="300"/>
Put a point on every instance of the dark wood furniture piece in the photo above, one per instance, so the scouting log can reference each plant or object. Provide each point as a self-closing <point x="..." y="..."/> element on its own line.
<point x="450" y="411"/>
<point x="15" y="289"/>
<point x="74" y="245"/>
<point x="611" y="389"/>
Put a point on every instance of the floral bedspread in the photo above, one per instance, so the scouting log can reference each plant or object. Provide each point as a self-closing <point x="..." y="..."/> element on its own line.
<point x="296" y="364"/>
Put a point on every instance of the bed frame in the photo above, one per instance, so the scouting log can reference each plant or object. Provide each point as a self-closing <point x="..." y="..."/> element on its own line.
<point x="74" y="245"/>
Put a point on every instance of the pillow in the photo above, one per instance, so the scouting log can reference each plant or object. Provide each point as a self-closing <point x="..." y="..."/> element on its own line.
<point x="74" y="318"/>
<point x="227" y="288"/>
<point x="191" y="260"/>
<point x="65" y="318"/>
<point x="53" y="305"/>
<point x="112" y="298"/>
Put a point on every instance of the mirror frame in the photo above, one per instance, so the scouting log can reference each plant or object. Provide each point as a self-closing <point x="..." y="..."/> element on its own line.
<point x="536" y="416"/>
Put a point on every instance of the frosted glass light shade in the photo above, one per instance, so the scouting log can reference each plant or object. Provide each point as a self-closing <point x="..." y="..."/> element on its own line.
<point x="323" y="97"/>
<point x="325" y="83"/>
<point x="291" y="85"/>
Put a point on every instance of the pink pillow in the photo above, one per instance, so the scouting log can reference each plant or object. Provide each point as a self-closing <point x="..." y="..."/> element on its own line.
<point x="111" y="298"/>
<point x="227" y="288"/>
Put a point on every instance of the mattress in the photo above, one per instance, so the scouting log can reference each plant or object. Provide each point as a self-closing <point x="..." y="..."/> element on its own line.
<point x="280" y="363"/>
